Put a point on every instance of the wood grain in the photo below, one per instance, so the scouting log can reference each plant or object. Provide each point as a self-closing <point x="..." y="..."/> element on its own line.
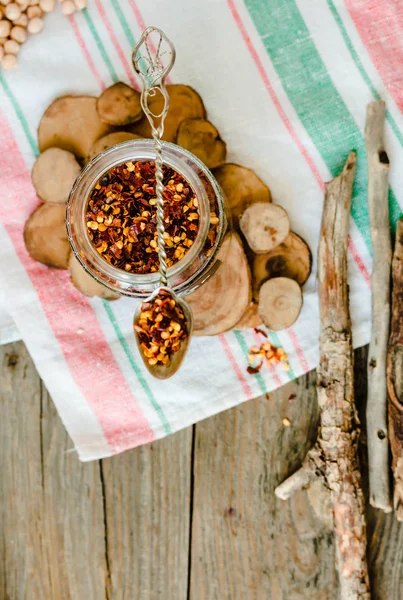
<point x="51" y="517"/>
<point x="72" y="515"/>
<point x="147" y="501"/>
<point x="394" y="373"/>
<point x="21" y="549"/>
<point x="246" y="543"/>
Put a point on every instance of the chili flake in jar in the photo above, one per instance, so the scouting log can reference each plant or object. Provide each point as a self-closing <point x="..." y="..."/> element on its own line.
<point x="121" y="217"/>
<point x="161" y="328"/>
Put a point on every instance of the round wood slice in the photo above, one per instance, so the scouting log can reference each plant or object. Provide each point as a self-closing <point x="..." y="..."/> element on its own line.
<point x="86" y="284"/>
<point x="72" y="123"/>
<point x="54" y="173"/>
<point x="119" y="105"/>
<point x="107" y="141"/>
<point x="292" y="258"/>
<point x="184" y="103"/>
<point x="241" y="187"/>
<point x="250" y="319"/>
<point x="45" y="236"/>
<point x="280" y="302"/>
<point x="264" y="226"/>
<point x="200" y="137"/>
<point x="222" y="301"/>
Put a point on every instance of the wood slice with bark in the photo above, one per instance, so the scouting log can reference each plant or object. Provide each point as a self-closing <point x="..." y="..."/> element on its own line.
<point x="241" y="187"/>
<point x="292" y="258"/>
<point x="264" y="226"/>
<point x="184" y="103"/>
<point x="119" y="105"/>
<point x="54" y="173"/>
<point x="72" y="123"/>
<point x="45" y="236"/>
<point x="201" y="137"/>
<point x="86" y="284"/>
<point x="395" y="373"/>
<point x="334" y="457"/>
<point x="109" y="140"/>
<point x="222" y="301"/>
<point x="280" y="302"/>
<point x="250" y="319"/>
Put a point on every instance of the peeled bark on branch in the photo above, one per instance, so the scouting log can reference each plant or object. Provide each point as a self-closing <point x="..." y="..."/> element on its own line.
<point x="395" y="373"/>
<point x="378" y="176"/>
<point x="334" y="456"/>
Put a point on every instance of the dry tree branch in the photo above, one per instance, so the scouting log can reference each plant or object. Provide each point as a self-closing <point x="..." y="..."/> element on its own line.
<point x="334" y="456"/>
<point x="395" y="373"/>
<point x="377" y="432"/>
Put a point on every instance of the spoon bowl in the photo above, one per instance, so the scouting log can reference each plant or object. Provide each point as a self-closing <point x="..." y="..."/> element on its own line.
<point x="161" y="371"/>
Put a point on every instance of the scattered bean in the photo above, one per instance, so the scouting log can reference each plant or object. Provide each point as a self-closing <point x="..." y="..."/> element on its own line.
<point x="35" y="25"/>
<point x="11" y="47"/>
<point x="19" y="34"/>
<point x="20" y="17"/>
<point x="9" y="61"/>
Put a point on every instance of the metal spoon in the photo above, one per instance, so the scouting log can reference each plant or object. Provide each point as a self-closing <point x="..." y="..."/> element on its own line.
<point x="153" y="73"/>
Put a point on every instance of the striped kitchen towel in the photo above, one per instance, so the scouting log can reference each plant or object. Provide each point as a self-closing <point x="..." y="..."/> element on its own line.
<point x="286" y="83"/>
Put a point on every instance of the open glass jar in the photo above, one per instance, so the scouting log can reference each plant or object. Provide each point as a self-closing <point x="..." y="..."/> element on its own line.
<point x="198" y="264"/>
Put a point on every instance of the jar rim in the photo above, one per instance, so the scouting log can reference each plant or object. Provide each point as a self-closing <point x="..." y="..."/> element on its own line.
<point x="177" y="158"/>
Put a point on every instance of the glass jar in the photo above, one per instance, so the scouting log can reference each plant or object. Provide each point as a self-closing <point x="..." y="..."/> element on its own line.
<point x="198" y="264"/>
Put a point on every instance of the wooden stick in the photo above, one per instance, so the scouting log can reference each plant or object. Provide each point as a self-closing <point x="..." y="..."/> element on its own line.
<point x="378" y="176"/>
<point x="395" y="373"/>
<point x="334" y="456"/>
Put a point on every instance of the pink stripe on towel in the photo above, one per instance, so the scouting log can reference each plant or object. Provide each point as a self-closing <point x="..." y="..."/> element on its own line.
<point x="88" y="356"/>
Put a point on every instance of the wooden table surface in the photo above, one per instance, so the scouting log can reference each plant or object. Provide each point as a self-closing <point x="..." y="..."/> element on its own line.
<point x="193" y="516"/>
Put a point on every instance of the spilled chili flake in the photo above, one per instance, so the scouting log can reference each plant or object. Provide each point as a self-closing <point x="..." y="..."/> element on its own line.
<point x="268" y="352"/>
<point x="161" y="328"/>
<point x="121" y="217"/>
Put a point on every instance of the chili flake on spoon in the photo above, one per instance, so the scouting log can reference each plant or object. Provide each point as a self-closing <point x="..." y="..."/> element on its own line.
<point x="161" y="328"/>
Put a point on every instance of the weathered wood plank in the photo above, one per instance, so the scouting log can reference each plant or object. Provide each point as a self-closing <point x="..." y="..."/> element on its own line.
<point x="51" y="507"/>
<point x="147" y="499"/>
<point x="72" y="515"/>
<point x="245" y="542"/>
<point x="21" y="477"/>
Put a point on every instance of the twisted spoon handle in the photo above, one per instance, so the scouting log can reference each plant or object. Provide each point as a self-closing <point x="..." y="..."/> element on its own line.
<point x="159" y="189"/>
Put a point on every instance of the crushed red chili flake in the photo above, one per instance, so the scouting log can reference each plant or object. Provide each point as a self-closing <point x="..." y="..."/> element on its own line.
<point x="161" y="328"/>
<point x="269" y="353"/>
<point x="263" y="333"/>
<point x="253" y="370"/>
<point x="121" y="217"/>
<point x="214" y="219"/>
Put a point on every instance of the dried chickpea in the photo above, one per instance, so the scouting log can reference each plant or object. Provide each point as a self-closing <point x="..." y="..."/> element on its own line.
<point x="23" y="4"/>
<point x="23" y="20"/>
<point x="5" y="28"/>
<point x="80" y="4"/>
<point x="35" y="25"/>
<point x="33" y="12"/>
<point x="13" y="11"/>
<point x="9" y="61"/>
<point x="11" y="47"/>
<point x="19" y="34"/>
<point x="47" y="5"/>
<point x="68" y="7"/>
<point x="5" y="2"/>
